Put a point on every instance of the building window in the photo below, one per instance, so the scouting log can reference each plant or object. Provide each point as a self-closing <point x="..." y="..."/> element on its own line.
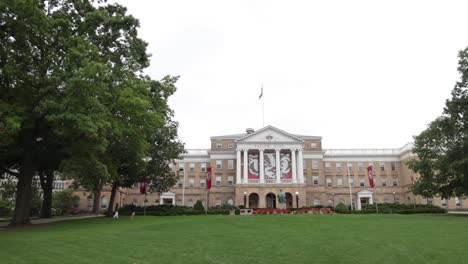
<point x="191" y="183"/>
<point x="382" y="166"/>
<point x="103" y="202"/>
<point x="219" y="145"/>
<point x="393" y="165"/>
<point x="395" y="183"/>
<point x="444" y="202"/>
<point x="230" y="164"/>
<point x="192" y="167"/>
<point x="202" y="183"/>
<point x="230" y="145"/>
<point x="171" y="166"/>
<point x="338" y="167"/>
<point x="429" y="200"/>
<point x="219" y="164"/>
<point x="313" y="145"/>
<point x="314" y="164"/>
<point x="190" y="203"/>
<point x="179" y="203"/>
<point x="457" y="202"/>
<point x="230" y="180"/>
<point x="316" y="202"/>
<point x="360" y="167"/>
<point x="90" y="202"/>
<point x="180" y="183"/>
<point x="384" y="183"/>
<point x="218" y="180"/>
<point x="350" y="167"/>
<point x="230" y="201"/>
<point x="330" y="202"/>
<point x="315" y="180"/>
<point x="329" y="182"/>
<point x="362" y="183"/>
<point x="181" y="167"/>
<point x="351" y="182"/>
<point x="218" y="202"/>
<point x="327" y="167"/>
<point x="203" y="167"/>
<point x="304" y="164"/>
<point x="339" y="182"/>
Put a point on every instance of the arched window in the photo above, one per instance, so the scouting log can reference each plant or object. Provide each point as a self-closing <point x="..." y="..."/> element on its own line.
<point x="316" y="201"/>
<point x="104" y="202"/>
<point x="190" y="203"/>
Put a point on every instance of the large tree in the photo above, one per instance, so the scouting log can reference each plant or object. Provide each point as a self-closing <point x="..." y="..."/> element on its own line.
<point x="442" y="149"/>
<point x="73" y="95"/>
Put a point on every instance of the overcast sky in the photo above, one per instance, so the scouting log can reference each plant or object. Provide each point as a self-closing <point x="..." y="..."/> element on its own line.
<point x="361" y="74"/>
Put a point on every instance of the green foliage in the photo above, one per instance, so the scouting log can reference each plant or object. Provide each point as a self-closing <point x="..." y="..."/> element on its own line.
<point x="341" y="208"/>
<point x="65" y="202"/>
<point x="8" y="190"/>
<point x="198" y="206"/>
<point x="169" y="210"/>
<point x="397" y="208"/>
<point x="6" y="207"/>
<point x="442" y="160"/>
<point x="74" y="97"/>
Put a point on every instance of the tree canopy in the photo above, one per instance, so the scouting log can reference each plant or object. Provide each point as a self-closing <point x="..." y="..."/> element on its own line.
<point x="73" y="95"/>
<point x="442" y="149"/>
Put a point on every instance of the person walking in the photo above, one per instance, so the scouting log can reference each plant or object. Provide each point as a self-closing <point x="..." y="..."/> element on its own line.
<point x="132" y="210"/>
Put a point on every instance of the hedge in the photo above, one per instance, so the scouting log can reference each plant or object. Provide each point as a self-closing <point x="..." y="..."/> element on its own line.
<point x="168" y="210"/>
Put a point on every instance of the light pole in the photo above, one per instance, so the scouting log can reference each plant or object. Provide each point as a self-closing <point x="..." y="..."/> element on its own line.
<point x="297" y="200"/>
<point x="394" y="197"/>
<point x="245" y="199"/>
<point x="333" y="199"/>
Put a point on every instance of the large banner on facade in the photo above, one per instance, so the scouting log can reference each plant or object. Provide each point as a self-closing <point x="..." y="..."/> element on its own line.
<point x="270" y="165"/>
<point x="253" y="166"/>
<point x="285" y="161"/>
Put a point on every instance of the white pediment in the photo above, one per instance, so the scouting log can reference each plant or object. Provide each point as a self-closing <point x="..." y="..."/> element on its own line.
<point x="365" y="192"/>
<point x="168" y="195"/>
<point x="270" y="134"/>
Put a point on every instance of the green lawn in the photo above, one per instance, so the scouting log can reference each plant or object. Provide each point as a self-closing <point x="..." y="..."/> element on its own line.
<point x="243" y="239"/>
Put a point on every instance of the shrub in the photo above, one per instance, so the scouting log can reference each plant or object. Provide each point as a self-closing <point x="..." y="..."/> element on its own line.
<point x="341" y="208"/>
<point x="6" y="208"/>
<point x="65" y="201"/>
<point x="198" y="206"/>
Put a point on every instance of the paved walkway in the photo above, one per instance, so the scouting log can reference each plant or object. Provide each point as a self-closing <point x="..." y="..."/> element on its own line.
<point x="458" y="212"/>
<point x="54" y="219"/>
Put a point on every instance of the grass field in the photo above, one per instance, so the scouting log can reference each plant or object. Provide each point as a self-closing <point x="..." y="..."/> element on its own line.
<point x="243" y="239"/>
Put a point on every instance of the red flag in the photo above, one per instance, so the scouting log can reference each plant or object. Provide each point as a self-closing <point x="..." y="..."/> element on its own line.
<point x="208" y="178"/>
<point x="143" y="188"/>
<point x="412" y="179"/>
<point x="370" y="176"/>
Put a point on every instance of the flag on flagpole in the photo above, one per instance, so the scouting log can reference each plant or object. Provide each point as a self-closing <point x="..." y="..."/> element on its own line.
<point x="370" y="176"/>
<point x="208" y="178"/>
<point x="261" y="93"/>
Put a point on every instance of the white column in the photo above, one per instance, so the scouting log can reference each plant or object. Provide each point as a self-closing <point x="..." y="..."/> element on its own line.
<point x="246" y="166"/>
<point x="293" y="161"/>
<point x="300" y="166"/>
<point x="262" y="167"/>
<point x="278" y="167"/>
<point x="238" y="167"/>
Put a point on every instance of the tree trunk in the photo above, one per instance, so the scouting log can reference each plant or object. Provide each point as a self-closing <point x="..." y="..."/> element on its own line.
<point x="47" y="181"/>
<point x="110" y="208"/>
<point x="97" y="201"/>
<point x="24" y="192"/>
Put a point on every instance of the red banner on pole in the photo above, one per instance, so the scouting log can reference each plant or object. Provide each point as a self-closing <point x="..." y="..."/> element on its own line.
<point x="208" y="178"/>
<point x="370" y="176"/>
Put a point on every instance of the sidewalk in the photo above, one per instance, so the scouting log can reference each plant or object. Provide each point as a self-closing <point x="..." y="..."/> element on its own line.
<point x="458" y="212"/>
<point x="54" y="219"/>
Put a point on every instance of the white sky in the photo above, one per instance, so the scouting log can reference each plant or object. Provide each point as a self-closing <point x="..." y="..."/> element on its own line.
<point x="361" y="74"/>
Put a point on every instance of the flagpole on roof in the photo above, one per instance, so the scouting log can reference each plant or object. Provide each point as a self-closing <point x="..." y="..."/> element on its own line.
<point x="263" y="106"/>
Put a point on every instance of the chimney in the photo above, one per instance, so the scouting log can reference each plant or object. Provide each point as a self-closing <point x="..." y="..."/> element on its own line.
<point x="249" y="130"/>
